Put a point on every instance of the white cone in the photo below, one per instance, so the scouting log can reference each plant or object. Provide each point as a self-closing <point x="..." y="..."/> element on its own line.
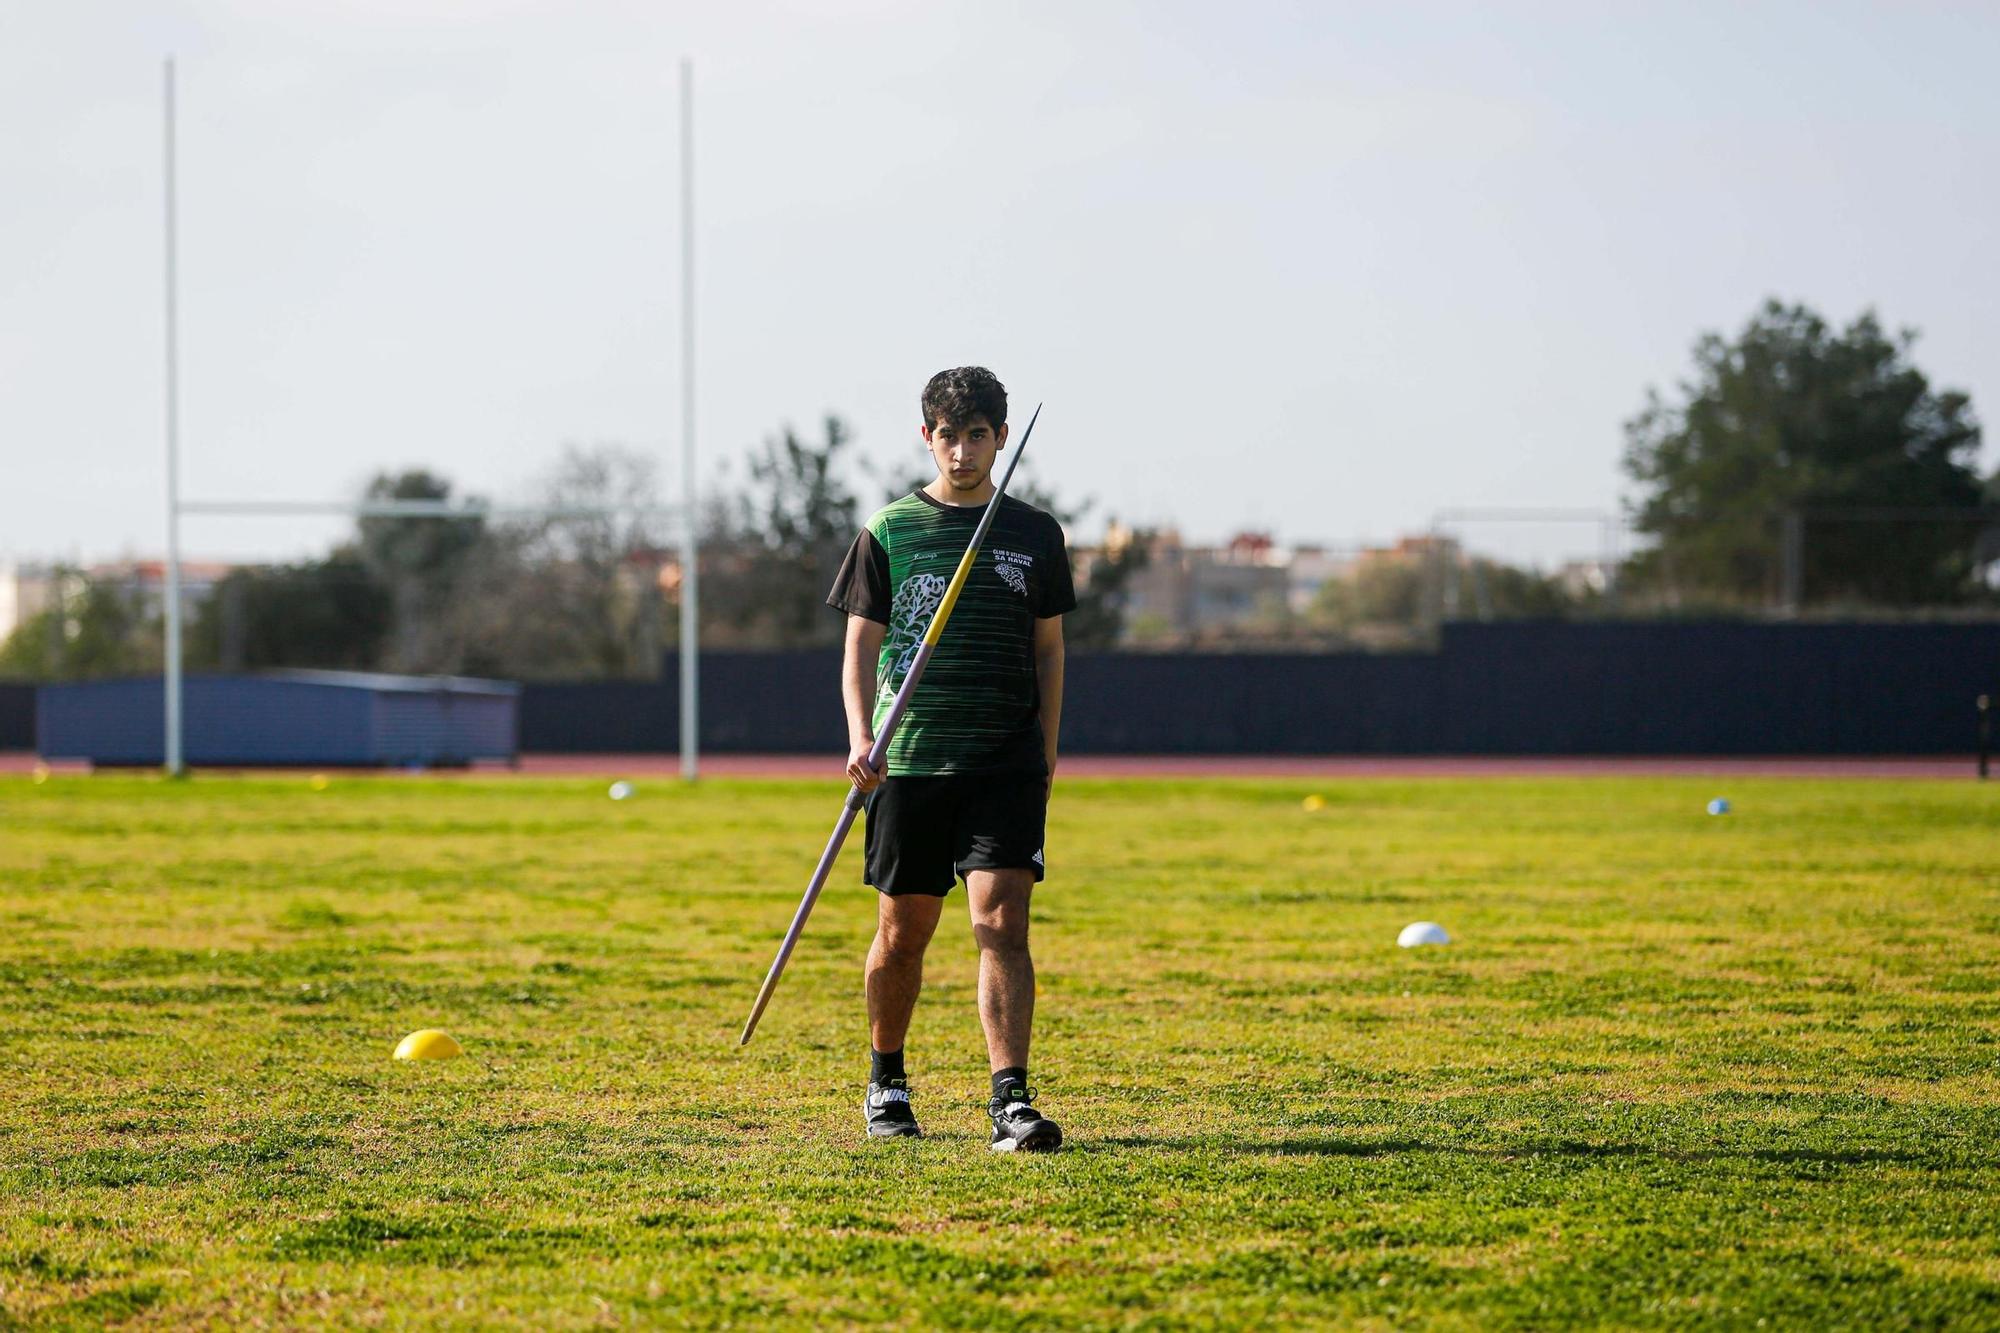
<point x="1422" y="932"/>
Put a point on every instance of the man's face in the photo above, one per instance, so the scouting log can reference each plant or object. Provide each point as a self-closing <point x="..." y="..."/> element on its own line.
<point x="964" y="452"/>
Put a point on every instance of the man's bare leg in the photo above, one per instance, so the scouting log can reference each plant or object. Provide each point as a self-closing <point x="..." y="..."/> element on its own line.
<point x="999" y="901"/>
<point x="1007" y="1006"/>
<point x="903" y="930"/>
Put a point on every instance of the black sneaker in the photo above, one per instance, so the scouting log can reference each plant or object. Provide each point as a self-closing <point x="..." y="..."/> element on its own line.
<point x="887" y="1111"/>
<point x="1019" y="1127"/>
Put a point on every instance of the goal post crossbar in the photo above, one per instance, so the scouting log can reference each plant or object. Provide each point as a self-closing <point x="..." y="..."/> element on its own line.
<point x="422" y="509"/>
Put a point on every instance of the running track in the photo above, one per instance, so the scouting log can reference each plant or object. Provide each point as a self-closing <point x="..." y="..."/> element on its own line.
<point x="1236" y="766"/>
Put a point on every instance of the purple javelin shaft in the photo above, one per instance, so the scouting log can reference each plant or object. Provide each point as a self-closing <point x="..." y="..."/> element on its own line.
<point x="877" y="753"/>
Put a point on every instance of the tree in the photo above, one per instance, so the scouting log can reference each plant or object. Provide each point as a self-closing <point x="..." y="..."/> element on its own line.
<point x="330" y="613"/>
<point x="419" y="560"/>
<point x="94" y="628"/>
<point x="1497" y="591"/>
<point x="1102" y="597"/>
<point x="1986" y="555"/>
<point x="1379" y="590"/>
<point x="1793" y="419"/>
<point x="577" y="593"/>
<point x="776" y="550"/>
<point x="1412" y="590"/>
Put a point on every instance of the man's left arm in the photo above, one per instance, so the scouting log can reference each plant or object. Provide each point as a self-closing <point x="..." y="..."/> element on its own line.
<point x="1049" y="679"/>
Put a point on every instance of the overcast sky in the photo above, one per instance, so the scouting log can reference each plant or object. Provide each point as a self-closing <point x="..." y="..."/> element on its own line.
<point x="1317" y="268"/>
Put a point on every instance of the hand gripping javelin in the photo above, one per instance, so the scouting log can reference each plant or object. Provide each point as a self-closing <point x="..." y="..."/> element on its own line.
<point x="876" y="755"/>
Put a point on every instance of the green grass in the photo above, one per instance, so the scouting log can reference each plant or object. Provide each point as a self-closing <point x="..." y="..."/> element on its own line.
<point x="1676" y="1070"/>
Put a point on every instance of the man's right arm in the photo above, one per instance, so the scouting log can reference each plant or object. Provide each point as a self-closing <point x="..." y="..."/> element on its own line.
<point x="857" y="693"/>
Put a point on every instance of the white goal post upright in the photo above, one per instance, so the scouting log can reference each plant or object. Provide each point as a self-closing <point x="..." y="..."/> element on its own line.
<point x="175" y="764"/>
<point x="685" y="513"/>
<point x="690" y="536"/>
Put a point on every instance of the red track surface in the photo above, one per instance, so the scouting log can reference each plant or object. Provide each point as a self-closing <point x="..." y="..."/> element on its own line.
<point x="827" y="766"/>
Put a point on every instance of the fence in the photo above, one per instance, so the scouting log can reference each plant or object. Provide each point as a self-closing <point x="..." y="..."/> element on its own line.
<point x="1501" y="688"/>
<point x="17" y="717"/>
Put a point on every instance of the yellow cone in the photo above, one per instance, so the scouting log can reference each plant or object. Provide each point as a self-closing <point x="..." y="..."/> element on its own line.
<point x="429" y="1044"/>
<point x="1312" y="803"/>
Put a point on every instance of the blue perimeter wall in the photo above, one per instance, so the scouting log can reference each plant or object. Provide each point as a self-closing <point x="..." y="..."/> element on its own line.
<point x="1614" y="687"/>
<point x="305" y="718"/>
<point x="17" y="717"/>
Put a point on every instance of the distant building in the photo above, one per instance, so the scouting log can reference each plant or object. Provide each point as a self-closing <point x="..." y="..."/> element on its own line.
<point x="1184" y="591"/>
<point x="146" y="581"/>
<point x="1586" y="578"/>
<point x="1252" y="587"/>
<point x="1428" y="546"/>
<point x="25" y="592"/>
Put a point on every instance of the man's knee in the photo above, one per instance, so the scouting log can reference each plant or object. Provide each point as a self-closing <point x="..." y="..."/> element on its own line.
<point x="903" y="929"/>
<point x="1000" y="915"/>
<point x="900" y="947"/>
<point x="1001" y="935"/>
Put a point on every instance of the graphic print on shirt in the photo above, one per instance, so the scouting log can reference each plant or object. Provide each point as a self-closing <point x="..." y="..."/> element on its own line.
<point x="1013" y="567"/>
<point x="909" y="616"/>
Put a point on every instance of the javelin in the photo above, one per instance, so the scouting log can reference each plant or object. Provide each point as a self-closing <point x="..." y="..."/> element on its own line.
<point x="880" y="750"/>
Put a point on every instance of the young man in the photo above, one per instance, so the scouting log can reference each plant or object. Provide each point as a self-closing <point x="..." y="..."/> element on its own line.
<point x="969" y="769"/>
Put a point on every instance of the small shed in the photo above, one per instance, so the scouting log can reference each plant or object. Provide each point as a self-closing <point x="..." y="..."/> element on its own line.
<point x="317" y="718"/>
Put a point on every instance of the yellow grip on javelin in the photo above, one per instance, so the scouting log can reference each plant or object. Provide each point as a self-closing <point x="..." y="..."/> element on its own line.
<point x="943" y="613"/>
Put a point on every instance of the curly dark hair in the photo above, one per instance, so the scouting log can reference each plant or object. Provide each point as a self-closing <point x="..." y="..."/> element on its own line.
<point x="957" y="396"/>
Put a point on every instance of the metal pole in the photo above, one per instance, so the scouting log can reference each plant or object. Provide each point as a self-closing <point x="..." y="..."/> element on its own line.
<point x="175" y="764"/>
<point x="691" y="513"/>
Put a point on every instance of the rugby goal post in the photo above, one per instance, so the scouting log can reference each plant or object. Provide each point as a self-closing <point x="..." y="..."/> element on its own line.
<point x="686" y="514"/>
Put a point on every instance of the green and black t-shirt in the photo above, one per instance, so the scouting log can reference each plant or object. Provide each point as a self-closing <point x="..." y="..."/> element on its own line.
<point x="978" y="708"/>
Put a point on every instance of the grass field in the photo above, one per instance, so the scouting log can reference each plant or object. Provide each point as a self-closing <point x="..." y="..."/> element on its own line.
<point x="1676" y="1070"/>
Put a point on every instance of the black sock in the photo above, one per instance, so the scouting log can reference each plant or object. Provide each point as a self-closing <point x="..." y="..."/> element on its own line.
<point x="1006" y="1080"/>
<point x="885" y="1065"/>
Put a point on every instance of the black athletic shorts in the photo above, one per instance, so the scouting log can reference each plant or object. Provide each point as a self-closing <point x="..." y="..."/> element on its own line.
<point x="926" y="832"/>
